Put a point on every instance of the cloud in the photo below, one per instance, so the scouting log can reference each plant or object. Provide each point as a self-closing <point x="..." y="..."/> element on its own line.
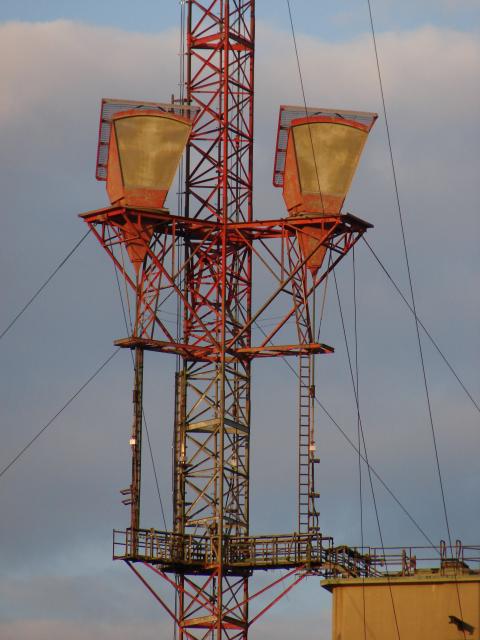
<point x="61" y="498"/>
<point x="461" y="4"/>
<point x="41" y="629"/>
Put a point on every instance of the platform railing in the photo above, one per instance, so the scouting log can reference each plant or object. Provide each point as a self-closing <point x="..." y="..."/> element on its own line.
<point x="310" y="551"/>
<point x="406" y="561"/>
<point x="175" y="550"/>
<point x="279" y="550"/>
<point x="164" y="547"/>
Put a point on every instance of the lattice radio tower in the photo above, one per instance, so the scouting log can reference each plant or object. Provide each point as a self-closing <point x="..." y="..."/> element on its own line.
<point x="200" y="261"/>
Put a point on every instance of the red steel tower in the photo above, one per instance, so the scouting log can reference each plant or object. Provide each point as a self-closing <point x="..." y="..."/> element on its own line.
<point x="198" y="262"/>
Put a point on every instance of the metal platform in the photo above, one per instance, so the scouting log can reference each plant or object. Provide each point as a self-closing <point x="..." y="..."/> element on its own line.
<point x="378" y="562"/>
<point x="310" y="551"/>
<point x="197" y="554"/>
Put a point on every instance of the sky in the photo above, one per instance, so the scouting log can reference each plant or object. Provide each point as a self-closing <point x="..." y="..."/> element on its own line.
<point x="61" y="500"/>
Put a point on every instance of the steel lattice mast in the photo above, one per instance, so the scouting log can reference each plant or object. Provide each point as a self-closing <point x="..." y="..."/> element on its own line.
<point x="197" y="262"/>
<point x="212" y="422"/>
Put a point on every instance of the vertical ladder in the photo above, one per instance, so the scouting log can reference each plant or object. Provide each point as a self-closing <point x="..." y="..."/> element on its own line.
<point x="304" y="421"/>
<point x="308" y="513"/>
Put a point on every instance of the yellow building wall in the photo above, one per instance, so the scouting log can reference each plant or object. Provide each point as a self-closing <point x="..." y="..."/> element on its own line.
<point x="422" y="607"/>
